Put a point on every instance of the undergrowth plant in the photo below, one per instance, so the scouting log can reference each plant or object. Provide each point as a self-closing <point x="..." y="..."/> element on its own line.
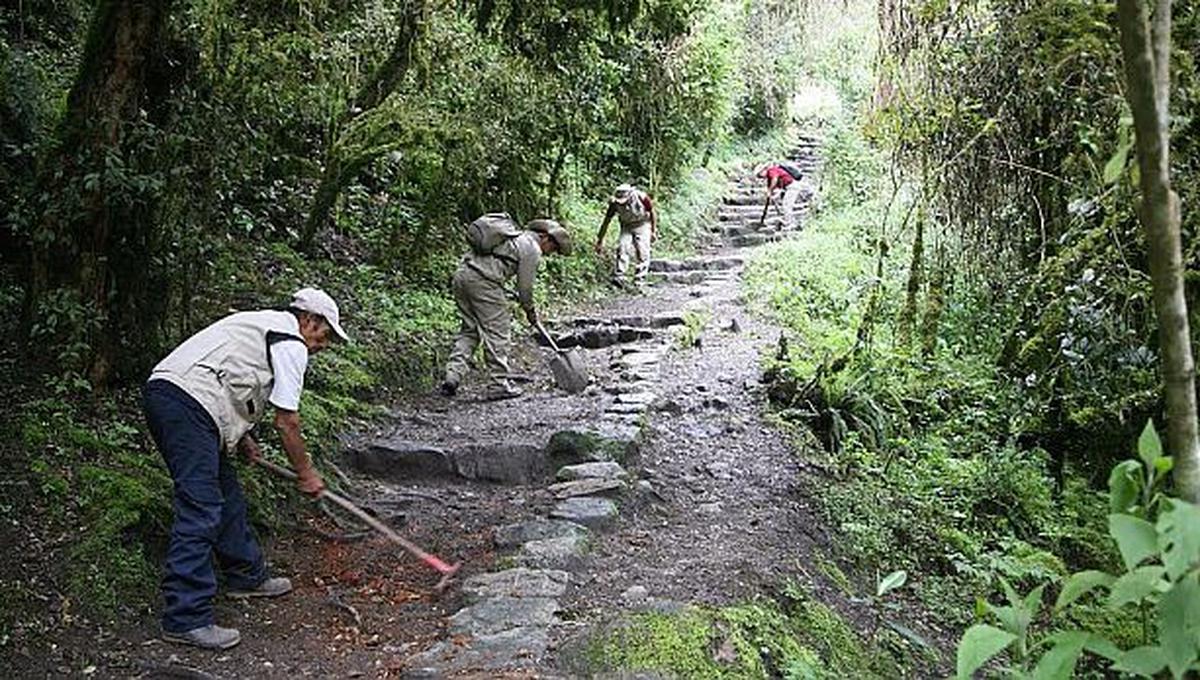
<point x="1159" y="541"/>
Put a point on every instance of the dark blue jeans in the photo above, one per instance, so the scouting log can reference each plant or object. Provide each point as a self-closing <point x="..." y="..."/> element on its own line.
<point x="210" y="510"/>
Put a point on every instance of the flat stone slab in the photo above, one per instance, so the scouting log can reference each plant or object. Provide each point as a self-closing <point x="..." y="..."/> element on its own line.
<point x="601" y="470"/>
<point x="599" y="442"/>
<point x="643" y="398"/>
<point x="636" y="359"/>
<point x="585" y="487"/>
<point x="513" y="535"/>
<point x="565" y="553"/>
<point x="507" y="650"/>
<point x="400" y="458"/>
<point x="505" y="462"/>
<point x="519" y="582"/>
<point x="593" y="513"/>
<point x="626" y="409"/>
<point x="497" y="614"/>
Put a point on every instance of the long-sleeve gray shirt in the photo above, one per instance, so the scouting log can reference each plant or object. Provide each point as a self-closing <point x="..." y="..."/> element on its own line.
<point x="518" y="257"/>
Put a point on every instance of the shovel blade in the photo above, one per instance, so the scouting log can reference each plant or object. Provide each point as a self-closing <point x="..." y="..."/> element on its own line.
<point x="570" y="373"/>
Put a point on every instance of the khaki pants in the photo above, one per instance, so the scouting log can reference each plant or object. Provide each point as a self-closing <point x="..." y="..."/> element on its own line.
<point x="633" y="243"/>
<point x="486" y="319"/>
<point x="790" y="194"/>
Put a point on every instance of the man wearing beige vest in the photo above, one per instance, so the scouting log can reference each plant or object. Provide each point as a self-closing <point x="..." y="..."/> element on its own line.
<point x="639" y="227"/>
<point x="201" y="403"/>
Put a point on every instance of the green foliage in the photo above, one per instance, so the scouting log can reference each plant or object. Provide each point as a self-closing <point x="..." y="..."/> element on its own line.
<point x="798" y="638"/>
<point x="1168" y="586"/>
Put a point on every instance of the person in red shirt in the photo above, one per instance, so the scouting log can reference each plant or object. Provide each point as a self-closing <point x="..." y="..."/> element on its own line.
<point x="779" y="178"/>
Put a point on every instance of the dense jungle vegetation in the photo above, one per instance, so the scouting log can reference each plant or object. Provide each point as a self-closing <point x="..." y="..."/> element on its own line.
<point x="164" y="163"/>
<point x="973" y="348"/>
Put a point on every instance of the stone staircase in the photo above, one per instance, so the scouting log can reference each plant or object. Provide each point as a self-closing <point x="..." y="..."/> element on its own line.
<point x="578" y="466"/>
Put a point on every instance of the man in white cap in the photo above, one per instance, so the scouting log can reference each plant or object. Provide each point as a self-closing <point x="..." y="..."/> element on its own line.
<point x="499" y="251"/>
<point x="201" y="402"/>
<point x="639" y="228"/>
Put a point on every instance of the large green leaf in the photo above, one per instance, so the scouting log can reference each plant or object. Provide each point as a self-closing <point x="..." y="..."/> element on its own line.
<point x="1125" y="484"/>
<point x="1179" y="537"/>
<point x="1081" y="584"/>
<point x="1136" y="585"/>
<point x="1059" y="662"/>
<point x="1116" y="164"/>
<point x="1149" y="445"/>
<point x="1144" y="661"/>
<point x="1136" y="538"/>
<point x="891" y="582"/>
<point x="979" y="644"/>
<point x="1179" y="625"/>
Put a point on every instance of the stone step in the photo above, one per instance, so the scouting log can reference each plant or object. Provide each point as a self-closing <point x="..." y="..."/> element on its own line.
<point x="517" y="582"/>
<point x="656" y="321"/>
<point x="597" y="337"/>
<point x="605" y="470"/>
<point x="514" y="535"/>
<point x="697" y="264"/>
<point x="564" y="553"/>
<point x="593" y="513"/>
<point x="586" y="487"/>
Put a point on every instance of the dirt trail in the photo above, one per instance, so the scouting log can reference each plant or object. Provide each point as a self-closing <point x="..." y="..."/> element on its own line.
<point x="676" y="492"/>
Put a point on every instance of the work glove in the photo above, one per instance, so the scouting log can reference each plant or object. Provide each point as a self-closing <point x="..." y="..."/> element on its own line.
<point x="531" y="316"/>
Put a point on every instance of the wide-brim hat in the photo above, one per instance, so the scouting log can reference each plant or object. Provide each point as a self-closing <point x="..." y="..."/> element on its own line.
<point x="623" y="193"/>
<point x="562" y="238"/>
<point x="317" y="301"/>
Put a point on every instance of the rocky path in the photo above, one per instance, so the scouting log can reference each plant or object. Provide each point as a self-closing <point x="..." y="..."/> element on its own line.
<point x="659" y="487"/>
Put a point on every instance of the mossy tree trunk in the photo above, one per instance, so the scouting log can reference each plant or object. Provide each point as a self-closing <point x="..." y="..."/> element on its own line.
<point x="1146" y="47"/>
<point x="88" y="231"/>
<point x="384" y="80"/>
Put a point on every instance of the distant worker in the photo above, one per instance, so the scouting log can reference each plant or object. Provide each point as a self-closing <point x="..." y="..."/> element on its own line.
<point x="783" y="175"/>
<point x="499" y="251"/>
<point x="201" y="402"/>
<point x="639" y="228"/>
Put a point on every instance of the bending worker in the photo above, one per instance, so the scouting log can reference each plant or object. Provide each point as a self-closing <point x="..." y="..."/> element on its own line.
<point x="780" y="176"/>
<point x="201" y="402"/>
<point x="499" y="251"/>
<point x="639" y="227"/>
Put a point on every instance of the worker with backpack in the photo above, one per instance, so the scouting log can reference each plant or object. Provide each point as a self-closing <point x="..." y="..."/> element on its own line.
<point x="499" y="251"/>
<point x="639" y="225"/>
<point x="783" y="175"/>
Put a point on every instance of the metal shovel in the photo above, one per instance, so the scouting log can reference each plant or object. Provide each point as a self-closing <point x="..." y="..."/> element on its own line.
<point x="570" y="372"/>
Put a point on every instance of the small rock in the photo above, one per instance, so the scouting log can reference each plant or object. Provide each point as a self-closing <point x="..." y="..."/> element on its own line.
<point x="585" y="487"/>
<point x="645" y="486"/>
<point x="716" y="402"/>
<point x="598" y="470"/>
<point x="513" y="535"/>
<point x="497" y="614"/>
<point x="593" y="513"/>
<point x="519" y="582"/>
<point x="635" y="594"/>
<point x="565" y="554"/>
<point x="709" y="508"/>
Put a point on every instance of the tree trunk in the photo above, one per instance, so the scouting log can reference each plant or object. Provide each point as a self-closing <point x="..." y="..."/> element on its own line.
<point x="1145" y="44"/>
<point x="383" y="81"/>
<point x="83" y="229"/>
<point x="908" y="316"/>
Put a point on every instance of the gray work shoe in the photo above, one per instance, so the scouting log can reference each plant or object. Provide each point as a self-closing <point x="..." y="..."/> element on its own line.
<point x="272" y="587"/>
<point x="501" y="392"/>
<point x="211" y="636"/>
<point x="449" y="388"/>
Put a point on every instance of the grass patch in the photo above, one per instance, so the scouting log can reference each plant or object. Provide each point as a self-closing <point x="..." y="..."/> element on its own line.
<point x="799" y="638"/>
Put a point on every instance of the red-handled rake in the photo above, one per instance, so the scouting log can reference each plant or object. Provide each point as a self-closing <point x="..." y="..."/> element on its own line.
<point x="446" y="570"/>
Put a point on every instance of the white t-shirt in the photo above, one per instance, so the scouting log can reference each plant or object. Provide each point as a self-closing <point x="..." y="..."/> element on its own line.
<point x="289" y="359"/>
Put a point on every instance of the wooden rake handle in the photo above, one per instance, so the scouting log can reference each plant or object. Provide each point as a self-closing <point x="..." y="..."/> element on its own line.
<point x="446" y="570"/>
